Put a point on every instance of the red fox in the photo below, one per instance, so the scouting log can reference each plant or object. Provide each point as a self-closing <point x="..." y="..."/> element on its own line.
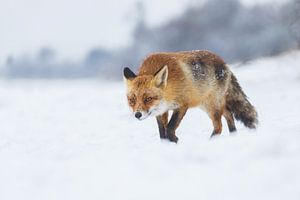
<point x="176" y="81"/>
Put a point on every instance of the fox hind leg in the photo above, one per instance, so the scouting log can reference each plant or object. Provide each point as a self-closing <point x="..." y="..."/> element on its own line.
<point x="217" y="123"/>
<point x="162" y="121"/>
<point x="230" y="121"/>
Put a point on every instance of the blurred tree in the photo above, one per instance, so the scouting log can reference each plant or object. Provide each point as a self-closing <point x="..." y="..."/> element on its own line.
<point x="9" y="61"/>
<point x="95" y="60"/>
<point x="295" y="21"/>
<point x="140" y="34"/>
<point x="227" y="27"/>
<point x="97" y="56"/>
<point x="236" y="32"/>
<point x="46" y="55"/>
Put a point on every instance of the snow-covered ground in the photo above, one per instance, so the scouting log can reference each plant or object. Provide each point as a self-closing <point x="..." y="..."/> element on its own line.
<point x="77" y="140"/>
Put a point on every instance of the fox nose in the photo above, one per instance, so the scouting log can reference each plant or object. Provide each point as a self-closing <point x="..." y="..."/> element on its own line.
<point x="138" y="115"/>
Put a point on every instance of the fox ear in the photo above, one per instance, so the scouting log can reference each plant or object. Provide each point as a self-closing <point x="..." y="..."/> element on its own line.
<point x="161" y="77"/>
<point x="128" y="74"/>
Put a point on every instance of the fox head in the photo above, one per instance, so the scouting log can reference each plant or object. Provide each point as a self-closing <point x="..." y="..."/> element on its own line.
<point x="145" y="92"/>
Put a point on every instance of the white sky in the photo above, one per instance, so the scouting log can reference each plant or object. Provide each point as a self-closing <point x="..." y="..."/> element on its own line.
<point x="72" y="27"/>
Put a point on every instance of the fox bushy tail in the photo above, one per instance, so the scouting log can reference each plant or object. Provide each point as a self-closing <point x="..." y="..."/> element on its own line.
<point x="237" y="103"/>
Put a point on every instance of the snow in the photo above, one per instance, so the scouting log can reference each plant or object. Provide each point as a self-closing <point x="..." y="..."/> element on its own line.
<point x="78" y="140"/>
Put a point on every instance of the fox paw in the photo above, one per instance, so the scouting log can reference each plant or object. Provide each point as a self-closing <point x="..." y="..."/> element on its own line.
<point x="213" y="135"/>
<point x="173" y="138"/>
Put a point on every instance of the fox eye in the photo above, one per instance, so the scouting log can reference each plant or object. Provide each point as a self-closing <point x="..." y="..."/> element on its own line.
<point x="148" y="100"/>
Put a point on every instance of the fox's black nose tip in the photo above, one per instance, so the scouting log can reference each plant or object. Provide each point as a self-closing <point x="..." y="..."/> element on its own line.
<point x="138" y="115"/>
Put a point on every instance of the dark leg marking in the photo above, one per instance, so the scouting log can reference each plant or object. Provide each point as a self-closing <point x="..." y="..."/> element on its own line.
<point x="161" y="128"/>
<point x="174" y="122"/>
<point x="162" y="121"/>
<point x="231" y="128"/>
<point x="230" y="121"/>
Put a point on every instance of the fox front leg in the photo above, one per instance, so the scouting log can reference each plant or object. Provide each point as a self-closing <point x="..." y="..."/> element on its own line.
<point x="174" y="122"/>
<point x="162" y="121"/>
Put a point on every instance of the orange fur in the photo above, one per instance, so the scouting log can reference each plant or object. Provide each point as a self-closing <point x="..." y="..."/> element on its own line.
<point x="181" y="80"/>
